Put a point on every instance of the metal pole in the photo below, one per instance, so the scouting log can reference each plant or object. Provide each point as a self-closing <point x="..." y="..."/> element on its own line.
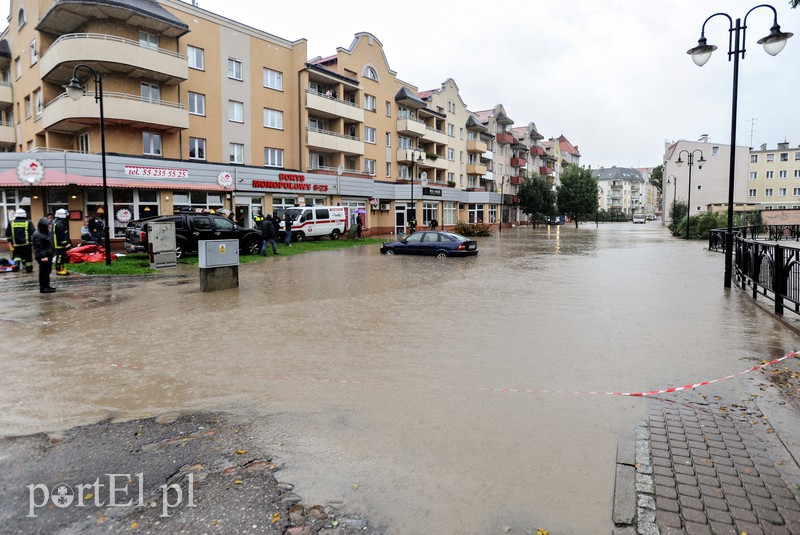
<point x="99" y="97"/>
<point x="732" y="173"/>
<point x="689" y="200"/>
<point x="674" y="195"/>
<point x="413" y="211"/>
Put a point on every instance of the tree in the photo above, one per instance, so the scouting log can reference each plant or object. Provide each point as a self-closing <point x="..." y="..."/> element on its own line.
<point x="536" y="198"/>
<point x="577" y="194"/>
<point x="657" y="178"/>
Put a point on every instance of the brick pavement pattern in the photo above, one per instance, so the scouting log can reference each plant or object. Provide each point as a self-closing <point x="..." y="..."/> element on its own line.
<point x="711" y="474"/>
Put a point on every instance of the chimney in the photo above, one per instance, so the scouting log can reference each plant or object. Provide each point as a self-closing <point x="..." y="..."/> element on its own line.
<point x="783" y="146"/>
<point x="763" y="146"/>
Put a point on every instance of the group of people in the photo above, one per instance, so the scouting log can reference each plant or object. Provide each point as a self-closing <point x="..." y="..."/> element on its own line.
<point x="47" y="243"/>
<point x="270" y="230"/>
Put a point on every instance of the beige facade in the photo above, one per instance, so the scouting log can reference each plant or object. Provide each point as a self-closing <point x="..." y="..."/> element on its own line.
<point x="207" y="112"/>
<point x="774" y="177"/>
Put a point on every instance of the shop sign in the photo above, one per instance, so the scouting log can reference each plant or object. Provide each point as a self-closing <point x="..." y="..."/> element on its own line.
<point x="433" y="192"/>
<point x="225" y="179"/>
<point x="124" y="215"/>
<point x="30" y="171"/>
<point x="156" y="172"/>
<point x="290" y="181"/>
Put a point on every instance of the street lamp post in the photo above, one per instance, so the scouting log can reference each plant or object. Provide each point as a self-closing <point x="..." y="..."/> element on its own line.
<point x="690" y="158"/>
<point x="75" y="91"/>
<point x="674" y="192"/>
<point x="418" y="156"/>
<point x="773" y="44"/>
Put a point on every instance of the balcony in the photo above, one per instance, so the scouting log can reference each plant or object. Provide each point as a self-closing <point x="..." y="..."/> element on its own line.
<point x="334" y="142"/>
<point x="116" y="54"/>
<point x="333" y="108"/>
<point x="411" y="126"/>
<point x="435" y="136"/>
<point x="476" y="169"/>
<point x="438" y="163"/>
<point x="488" y="155"/>
<point x="6" y="98"/>
<point x="505" y="138"/>
<point x="517" y="180"/>
<point x="8" y="134"/>
<point x="63" y="114"/>
<point x="519" y="162"/>
<point x="546" y="171"/>
<point x="476" y="145"/>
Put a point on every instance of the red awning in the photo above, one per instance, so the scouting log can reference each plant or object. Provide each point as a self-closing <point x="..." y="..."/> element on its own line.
<point x="52" y="177"/>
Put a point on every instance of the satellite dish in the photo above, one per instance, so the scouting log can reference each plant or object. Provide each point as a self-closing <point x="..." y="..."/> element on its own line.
<point x="340" y="169"/>
<point x="423" y="179"/>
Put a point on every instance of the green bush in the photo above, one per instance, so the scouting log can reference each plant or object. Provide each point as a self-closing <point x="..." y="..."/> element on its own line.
<point x="472" y="229"/>
<point x="700" y="225"/>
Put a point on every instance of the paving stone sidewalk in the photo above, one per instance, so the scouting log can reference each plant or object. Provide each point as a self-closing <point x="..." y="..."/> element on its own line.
<point x="705" y="467"/>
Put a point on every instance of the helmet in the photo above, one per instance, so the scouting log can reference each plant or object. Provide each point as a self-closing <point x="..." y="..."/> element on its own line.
<point x="21" y="213"/>
<point x="61" y="213"/>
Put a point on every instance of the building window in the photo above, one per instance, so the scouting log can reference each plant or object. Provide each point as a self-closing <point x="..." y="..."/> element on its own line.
<point x="148" y="40"/>
<point x="17" y="68"/>
<point x="369" y="167"/>
<point x="196" y="57"/>
<point x="389" y="110"/>
<point x="151" y="92"/>
<point x="752" y="192"/>
<point x="797" y="156"/>
<point x="21" y="18"/>
<point x="27" y="107"/>
<point x="388" y="169"/>
<point x="273" y="119"/>
<point x="784" y="156"/>
<point x="768" y="192"/>
<point x="475" y="213"/>
<point x="83" y="143"/>
<point x="369" y="134"/>
<point x="796" y="192"/>
<point x="197" y="148"/>
<point x="449" y="213"/>
<point x="37" y="102"/>
<point x="234" y="69"/>
<point x="770" y="175"/>
<point x="388" y="139"/>
<point x="430" y="210"/>
<point x="236" y="153"/>
<point x="451" y="130"/>
<point x="56" y="198"/>
<point x="151" y="143"/>
<point x="370" y="73"/>
<point x="197" y="103"/>
<point x="783" y="173"/>
<point x="770" y="157"/>
<point x="451" y="177"/>
<point x="797" y="173"/>
<point x="273" y="157"/>
<point x="754" y="158"/>
<point x="753" y="175"/>
<point x="369" y="102"/>
<point x="273" y="79"/>
<point x="492" y="213"/>
<point x="235" y="111"/>
<point x="34" y="52"/>
<point x="781" y="192"/>
<point x="404" y="142"/>
<point x="714" y="151"/>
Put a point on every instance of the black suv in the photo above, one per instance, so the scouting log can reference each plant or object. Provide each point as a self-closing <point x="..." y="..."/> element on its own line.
<point x="190" y="228"/>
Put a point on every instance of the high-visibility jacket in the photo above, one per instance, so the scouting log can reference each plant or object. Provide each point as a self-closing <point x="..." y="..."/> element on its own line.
<point x="61" y="234"/>
<point x="20" y="232"/>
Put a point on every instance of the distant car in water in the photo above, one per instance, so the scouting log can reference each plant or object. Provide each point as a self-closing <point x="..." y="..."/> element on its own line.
<point x="432" y="243"/>
<point x="555" y="220"/>
<point x="651" y="217"/>
<point x="639" y="218"/>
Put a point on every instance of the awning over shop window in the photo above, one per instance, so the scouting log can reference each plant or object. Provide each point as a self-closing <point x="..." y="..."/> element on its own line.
<point x="9" y="179"/>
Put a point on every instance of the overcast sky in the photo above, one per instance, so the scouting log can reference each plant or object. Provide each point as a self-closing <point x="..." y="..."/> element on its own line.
<point x="613" y="76"/>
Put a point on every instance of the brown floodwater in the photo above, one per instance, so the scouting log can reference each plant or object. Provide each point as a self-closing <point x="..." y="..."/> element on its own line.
<point x="388" y="383"/>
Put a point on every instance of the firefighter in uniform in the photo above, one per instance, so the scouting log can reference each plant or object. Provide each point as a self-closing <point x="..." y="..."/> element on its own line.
<point x="61" y="241"/>
<point x="19" y="233"/>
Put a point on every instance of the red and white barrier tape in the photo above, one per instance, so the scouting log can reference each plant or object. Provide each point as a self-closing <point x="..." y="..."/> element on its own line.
<point x="531" y="390"/>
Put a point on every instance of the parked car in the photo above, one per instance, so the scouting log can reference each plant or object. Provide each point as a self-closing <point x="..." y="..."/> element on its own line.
<point x="432" y="243"/>
<point x="639" y="218"/>
<point x="555" y="220"/>
<point x="190" y="228"/>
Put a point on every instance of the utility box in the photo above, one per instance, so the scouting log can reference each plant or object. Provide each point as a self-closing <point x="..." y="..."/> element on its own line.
<point x="161" y="244"/>
<point x="219" y="264"/>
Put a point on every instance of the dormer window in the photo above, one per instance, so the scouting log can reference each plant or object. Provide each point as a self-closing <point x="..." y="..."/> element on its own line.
<point x="370" y="73"/>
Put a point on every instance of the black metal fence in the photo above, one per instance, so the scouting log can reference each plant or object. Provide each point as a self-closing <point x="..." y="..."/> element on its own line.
<point x="769" y="269"/>
<point x="716" y="237"/>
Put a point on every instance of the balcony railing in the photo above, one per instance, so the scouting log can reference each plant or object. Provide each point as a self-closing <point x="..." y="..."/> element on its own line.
<point x="504" y="138"/>
<point x="547" y="171"/>
<point x="122" y="107"/>
<point x="519" y="162"/>
<point x="517" y="180"/>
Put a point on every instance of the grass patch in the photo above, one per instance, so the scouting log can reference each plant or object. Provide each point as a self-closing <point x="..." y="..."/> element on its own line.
<point x="139" y="263"/>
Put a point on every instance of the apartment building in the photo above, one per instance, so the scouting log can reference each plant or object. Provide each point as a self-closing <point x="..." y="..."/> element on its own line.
<point x="774" y="177"/>
<point x="710" y="178"/>
<point x="621" y="191"/>
<point x="203" y="112"/>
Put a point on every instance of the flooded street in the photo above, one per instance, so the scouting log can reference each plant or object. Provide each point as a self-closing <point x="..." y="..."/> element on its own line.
<point x="392" y="384"/>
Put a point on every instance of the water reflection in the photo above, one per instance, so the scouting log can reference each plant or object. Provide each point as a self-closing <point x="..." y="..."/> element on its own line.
<point x="365" y="369"/>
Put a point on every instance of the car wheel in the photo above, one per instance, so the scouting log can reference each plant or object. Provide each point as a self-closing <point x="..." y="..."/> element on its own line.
<point x="389" y="251"/>
<point x="299" y="237"/>
<point x="180" y="250"/>
<point x="335" y="234"/>
<point x="253" y="247"/>
<point x="441" y="254"/>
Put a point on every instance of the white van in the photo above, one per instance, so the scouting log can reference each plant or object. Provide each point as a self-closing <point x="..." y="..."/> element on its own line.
<point x="315" y="222"/>
<point x="639" y="218"/>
